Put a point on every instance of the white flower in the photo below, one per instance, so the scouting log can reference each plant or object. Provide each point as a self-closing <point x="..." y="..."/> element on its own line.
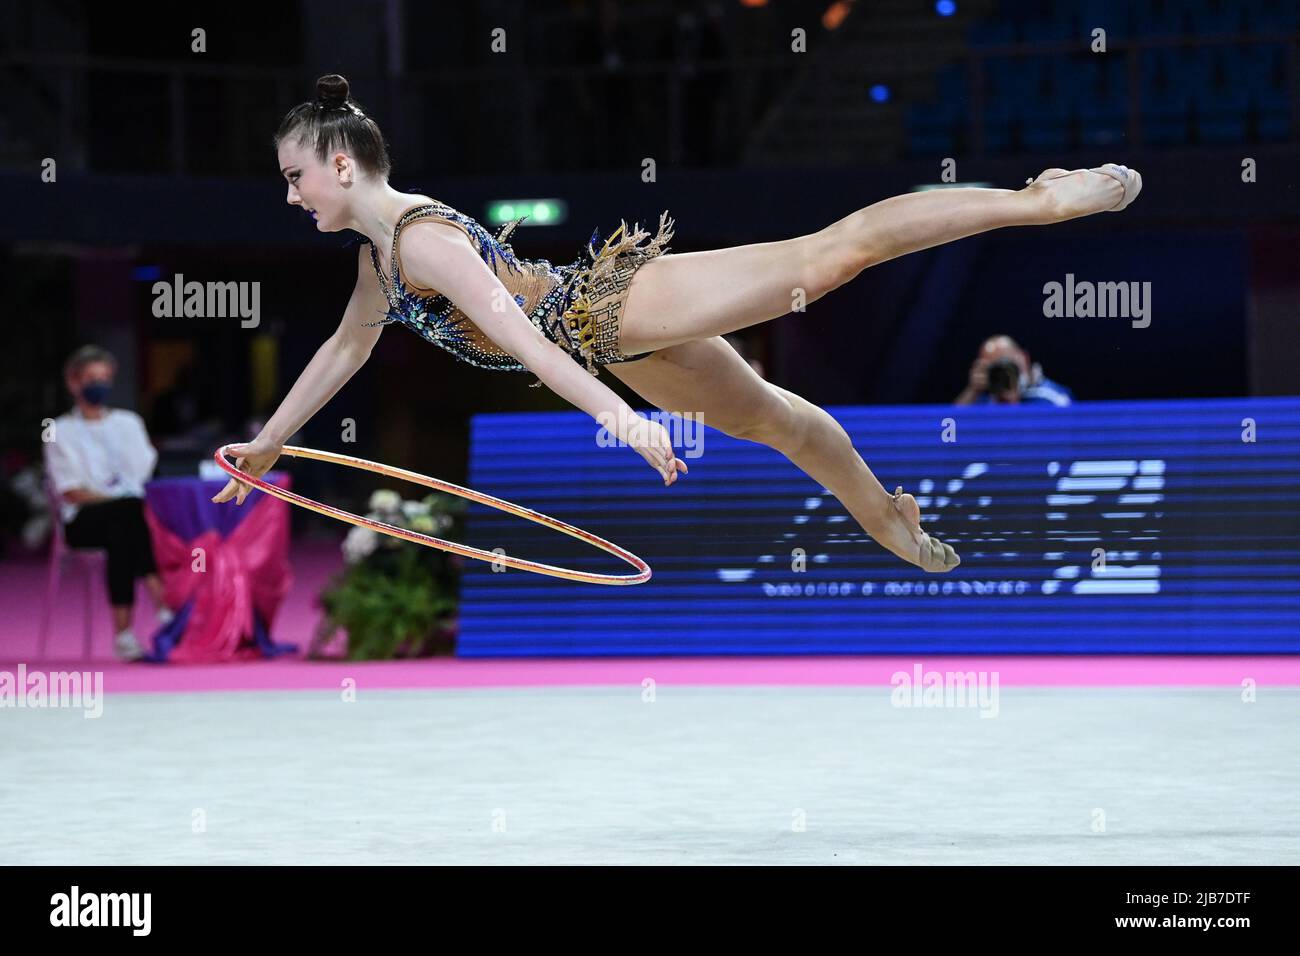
<point x="414" y="509"/>
<point x="385" y="499"/>
<point x="359" y="543"/>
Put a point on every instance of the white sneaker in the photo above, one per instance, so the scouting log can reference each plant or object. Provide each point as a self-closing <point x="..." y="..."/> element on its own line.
<point x="127" y="647"/>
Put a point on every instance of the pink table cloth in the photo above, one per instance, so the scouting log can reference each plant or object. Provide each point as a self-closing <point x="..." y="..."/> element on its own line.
<point x="225" y="568"/>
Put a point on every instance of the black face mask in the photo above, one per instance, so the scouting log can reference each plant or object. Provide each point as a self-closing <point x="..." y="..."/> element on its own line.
<point x="94" y="393"/>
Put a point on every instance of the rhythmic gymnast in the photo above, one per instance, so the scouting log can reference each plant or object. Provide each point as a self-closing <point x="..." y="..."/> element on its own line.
<point x="655" y="320"/>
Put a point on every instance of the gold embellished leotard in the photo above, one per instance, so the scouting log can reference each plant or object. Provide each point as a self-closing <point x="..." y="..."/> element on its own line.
<point x="577" y="306"/>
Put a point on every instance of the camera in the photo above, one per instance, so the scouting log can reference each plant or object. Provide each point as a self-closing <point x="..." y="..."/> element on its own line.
<point x="1003" y="376"/>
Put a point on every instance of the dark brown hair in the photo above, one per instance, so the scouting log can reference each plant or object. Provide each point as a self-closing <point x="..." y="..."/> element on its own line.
<point x="336" y="121"/>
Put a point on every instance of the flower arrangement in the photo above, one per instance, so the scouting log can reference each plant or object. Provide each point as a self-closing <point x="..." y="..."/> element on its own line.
<point x="395" y="598"/>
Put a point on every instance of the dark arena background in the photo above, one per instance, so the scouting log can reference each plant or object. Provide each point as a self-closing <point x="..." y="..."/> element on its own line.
<point x="1101" y="416"/>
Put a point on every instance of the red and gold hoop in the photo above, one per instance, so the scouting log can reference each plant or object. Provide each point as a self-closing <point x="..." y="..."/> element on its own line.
<point x="643" y="569"/>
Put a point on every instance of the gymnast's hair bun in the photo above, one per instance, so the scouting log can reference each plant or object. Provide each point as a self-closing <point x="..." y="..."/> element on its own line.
<point x="332" y="91"/>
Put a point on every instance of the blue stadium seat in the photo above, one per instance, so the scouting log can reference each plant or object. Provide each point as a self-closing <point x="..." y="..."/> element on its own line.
<point x="1156" y="69"/>
<point x="1114" y="79"/>
<point x="1114" y="16"/>
<point x="1165" y="117"/>
<point x="1077" y="79"/>
<point x="935" y="128"/>
<point x="1002" y="78"/>
<point x="1159" y="18"/>
<point x="1044" y="129"/>
<point x="1211" y="17"/>
<point x="926" y="137"/>
<point x="1103" y="125"/>
<point x="1219" y="116"/>
<point x="1196" y="66"/>
<point x="953" y="83"/>
<point x="1103" y="115"/>
<point x="992" y="32"/>
<point x="1046" y="101"/>
<point x="1213" y="93"/>
<point x="1001" y="126"/>
<point x="938" y="127"/>
<point x="1274" y="118"/>
<point x="1048" y="28"/>
<point x="1280" y="16"/>
<point x="1261" y="68"/>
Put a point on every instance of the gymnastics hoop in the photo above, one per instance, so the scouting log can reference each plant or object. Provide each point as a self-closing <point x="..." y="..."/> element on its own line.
<point x="643" y="569"/>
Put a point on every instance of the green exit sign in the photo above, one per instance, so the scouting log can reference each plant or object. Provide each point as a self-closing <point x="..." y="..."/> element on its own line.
<point x="540" y="212"/>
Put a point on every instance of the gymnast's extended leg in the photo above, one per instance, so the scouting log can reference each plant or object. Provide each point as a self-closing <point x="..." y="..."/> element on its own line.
<point x="696" y="295"/>
<point x="708" y="378"/>
<point x="681" y="304"/>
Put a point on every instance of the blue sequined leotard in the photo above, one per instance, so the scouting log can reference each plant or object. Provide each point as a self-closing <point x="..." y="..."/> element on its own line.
<point x="577" y="306"/>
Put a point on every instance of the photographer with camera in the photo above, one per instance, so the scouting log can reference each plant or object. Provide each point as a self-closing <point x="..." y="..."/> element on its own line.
<point x="1002" y="374"/>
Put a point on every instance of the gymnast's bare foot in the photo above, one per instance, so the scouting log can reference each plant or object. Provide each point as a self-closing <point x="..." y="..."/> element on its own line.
<point x="902" y="535"/>
<point x="1069" y="194"/>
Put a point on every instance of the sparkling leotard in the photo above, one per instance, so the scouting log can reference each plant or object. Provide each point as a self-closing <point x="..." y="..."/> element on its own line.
<point x="577" y="306"/>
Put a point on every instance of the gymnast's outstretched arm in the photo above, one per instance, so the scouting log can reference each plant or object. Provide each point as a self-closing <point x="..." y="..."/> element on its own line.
<point x="439" y="257"/>
<point x="336" y="361"/>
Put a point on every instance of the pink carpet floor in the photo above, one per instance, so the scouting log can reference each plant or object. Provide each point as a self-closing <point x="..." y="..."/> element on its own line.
<point x="22" y="589"/>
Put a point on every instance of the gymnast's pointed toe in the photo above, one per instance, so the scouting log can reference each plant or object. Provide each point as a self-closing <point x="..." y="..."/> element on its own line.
<point x="1069" y="194"/>
<point x="938" y="557"/>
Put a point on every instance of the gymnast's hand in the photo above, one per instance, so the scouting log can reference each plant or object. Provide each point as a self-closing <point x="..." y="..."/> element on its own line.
<point x="256" y="458"/>
<point x="652" y="441"/>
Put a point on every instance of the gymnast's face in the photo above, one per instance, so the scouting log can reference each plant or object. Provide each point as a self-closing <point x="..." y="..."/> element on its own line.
<point x="319" y="189"/>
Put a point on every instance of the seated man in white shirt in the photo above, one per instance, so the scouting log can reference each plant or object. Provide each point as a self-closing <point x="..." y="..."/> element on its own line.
<point x="98" y="462"/>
